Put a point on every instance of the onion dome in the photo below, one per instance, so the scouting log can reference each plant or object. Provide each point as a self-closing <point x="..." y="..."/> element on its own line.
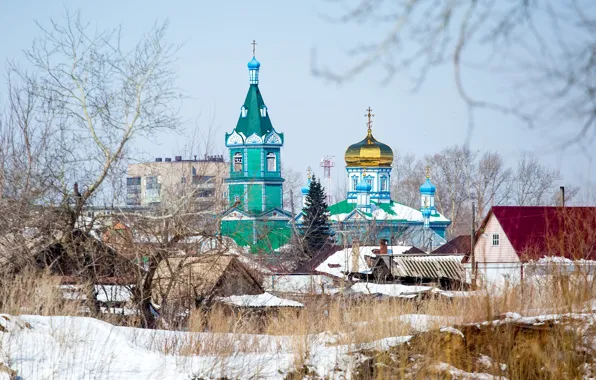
<point x="363" y="185"/>
<point x="254" y="64"/>
<point x="426" y="213"/>
<point x="369" y="152"/>
<point x="306" y="188"/>
<point x="427" y="187"/>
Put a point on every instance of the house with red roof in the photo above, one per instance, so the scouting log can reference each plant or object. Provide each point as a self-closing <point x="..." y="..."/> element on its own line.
<point x="512" y="236"/>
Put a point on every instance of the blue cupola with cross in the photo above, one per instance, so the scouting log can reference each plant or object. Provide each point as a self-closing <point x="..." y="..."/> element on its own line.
<point x="255" y="217"/>
<point x="427" y="194"/>
<point x="255" y="181"/>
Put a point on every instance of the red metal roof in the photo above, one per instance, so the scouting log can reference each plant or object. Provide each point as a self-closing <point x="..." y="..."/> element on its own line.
<point x="536" y="231"/>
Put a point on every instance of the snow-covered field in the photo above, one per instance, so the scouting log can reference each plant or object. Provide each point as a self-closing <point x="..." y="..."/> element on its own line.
<point x="84" y="348"/>
<point x="61" y="347"/>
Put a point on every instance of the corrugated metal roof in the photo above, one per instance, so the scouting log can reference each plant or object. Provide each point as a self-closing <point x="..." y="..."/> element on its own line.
<point x="429" y="266"/>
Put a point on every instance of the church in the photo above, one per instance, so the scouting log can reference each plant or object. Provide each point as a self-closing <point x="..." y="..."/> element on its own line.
<point x="368" y="213"/>
<point x="256" y="218"/>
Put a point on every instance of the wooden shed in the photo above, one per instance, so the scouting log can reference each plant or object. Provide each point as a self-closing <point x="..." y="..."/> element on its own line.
<point x="192" y="280"/>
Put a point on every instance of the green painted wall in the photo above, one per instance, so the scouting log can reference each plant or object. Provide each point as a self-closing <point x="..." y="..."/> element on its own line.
<point x="254" y="162"/>
<point x="255" y="198"/>
<point x="273" y="197"/>
<point x="236" y="191"/>
<point x="270" y="235"/>
<point x="240" y="230"/>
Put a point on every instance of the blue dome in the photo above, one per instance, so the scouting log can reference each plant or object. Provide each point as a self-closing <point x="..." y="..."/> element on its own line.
<point x="426" y="212"/>
<point x="304" y="189"/>
<point x="428" y="187"/>
<point x="254" y="64"/>
<point x="363" y="186"/>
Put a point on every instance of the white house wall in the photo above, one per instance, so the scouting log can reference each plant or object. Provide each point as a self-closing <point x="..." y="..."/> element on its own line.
<point x="487" y="253"/>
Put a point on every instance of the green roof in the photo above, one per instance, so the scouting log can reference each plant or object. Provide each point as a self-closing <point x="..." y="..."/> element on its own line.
<point x="343" y="207"/>
<point x="253" y="122"/>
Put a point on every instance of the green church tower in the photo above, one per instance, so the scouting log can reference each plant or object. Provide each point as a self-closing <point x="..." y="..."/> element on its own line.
<point x="255" y="186"/>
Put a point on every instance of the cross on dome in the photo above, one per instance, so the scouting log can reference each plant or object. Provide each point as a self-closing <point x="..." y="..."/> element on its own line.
<point x="254" y="46"/>
<point x="369" y="116"/>
<point x="308" y="172"/>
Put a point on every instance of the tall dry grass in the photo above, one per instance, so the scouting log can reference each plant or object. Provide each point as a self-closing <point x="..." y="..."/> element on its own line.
<point x="513" y="350"/>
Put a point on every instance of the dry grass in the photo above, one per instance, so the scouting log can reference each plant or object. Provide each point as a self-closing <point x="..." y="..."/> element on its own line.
<point x="516" y="350"/>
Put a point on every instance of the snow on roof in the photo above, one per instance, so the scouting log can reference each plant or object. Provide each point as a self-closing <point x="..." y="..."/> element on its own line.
<point x="300" y="284"/>
<point x="259" y="301"/>
<point x="341" y="262"/>
<point x="383" y="211"/>
<point x="391" y="290"/>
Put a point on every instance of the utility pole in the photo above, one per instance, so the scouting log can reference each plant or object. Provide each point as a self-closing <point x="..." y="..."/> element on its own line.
<point x="562" y="188"/>
<point x="472" y="238"/>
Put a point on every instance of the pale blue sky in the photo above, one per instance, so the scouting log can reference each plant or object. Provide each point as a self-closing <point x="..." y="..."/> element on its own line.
<point x="317" y="117"/>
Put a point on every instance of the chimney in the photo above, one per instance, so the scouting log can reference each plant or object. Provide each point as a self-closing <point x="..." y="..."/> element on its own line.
<point x="158" y="159"/>
<point x="562" y="188"/>
<point x="168" y="159"/>
<point x="383" y="247"/>
<point x="178" y="158"/>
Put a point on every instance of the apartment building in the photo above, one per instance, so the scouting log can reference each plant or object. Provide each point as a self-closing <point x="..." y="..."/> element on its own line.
<point x="198" y="182"/>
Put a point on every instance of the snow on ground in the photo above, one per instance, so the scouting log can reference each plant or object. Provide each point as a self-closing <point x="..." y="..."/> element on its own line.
<point x="259" y="300"/>
<point x="391" y="290"/>
<point x="85" y="348"/>
<point x="300" y="284"/>
<point x="105" y="293"/>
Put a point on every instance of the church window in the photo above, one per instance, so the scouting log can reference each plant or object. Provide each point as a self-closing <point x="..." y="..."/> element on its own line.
<point x="194" y="171"/>
<point x="271" y="162"/>
<point x="238" y="162"/>
<point x="243" y="111"/>
<point x="383" y="183"/>
<point x="369" y="181"/>
<point x="354" y="182"/>
<point x="264" y="112"/>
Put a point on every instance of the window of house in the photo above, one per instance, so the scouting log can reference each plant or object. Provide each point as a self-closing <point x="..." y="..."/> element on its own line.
<point x="238" y="162"/>
<point x="271" y="162"/>
<point x="495" y="239"/>
<point x="194" y="171"/>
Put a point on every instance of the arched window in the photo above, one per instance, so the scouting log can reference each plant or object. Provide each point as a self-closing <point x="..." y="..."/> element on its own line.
<point x="369" y="180"/>
<point x="238" y="162"/>
<point x="383" y="183"/>
<point x="354" y="182"/>
<point x="271" y="162"/>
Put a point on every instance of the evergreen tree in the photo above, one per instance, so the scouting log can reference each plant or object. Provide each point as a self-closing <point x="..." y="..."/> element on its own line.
<point x="315" y="229"/>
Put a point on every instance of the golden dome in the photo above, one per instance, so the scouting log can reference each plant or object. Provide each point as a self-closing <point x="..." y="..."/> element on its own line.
<point x="369" y="152"/>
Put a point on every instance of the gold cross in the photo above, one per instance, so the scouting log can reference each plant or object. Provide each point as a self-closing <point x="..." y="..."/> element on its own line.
<point x="369" y="115"/>
<point x="254" y="46"/>
<point x="308" y="172"/>
<point x="427" y="171"/>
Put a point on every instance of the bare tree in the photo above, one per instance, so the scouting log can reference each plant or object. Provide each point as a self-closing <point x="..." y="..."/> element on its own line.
<point x="92" y="97"/>
<point x="491" y="183"/>
<point x="453" y="168"/>
<point x="549" y="45"/>
<point x="408" y="175"/>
